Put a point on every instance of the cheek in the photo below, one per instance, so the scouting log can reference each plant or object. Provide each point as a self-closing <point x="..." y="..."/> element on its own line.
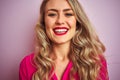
<point x="49" y="23"/>
<point x="48" y="28"/>
<point x="72" y="23"/>
<point x="48" y="32"/>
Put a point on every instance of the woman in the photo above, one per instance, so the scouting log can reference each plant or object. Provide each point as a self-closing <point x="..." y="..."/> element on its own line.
<point x="67" y="46"/>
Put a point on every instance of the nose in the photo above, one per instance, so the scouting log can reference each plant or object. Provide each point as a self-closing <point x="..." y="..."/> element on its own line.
<point x="60" y="19"/>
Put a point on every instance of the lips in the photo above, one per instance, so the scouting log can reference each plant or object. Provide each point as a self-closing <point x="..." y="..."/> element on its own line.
<point x="60" y="30"/>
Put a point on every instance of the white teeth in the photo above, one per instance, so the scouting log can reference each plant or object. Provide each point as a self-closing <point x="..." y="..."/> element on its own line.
<point x="60" y="30"/>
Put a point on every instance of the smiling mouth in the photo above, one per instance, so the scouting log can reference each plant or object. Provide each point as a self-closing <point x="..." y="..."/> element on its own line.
<point x="60" y="30"/>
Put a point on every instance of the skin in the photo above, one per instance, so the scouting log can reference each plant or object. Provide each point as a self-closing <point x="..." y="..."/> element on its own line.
<point x="58" y="13"/>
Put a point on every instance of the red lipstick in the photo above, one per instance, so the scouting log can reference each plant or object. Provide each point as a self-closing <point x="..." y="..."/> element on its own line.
<point x="60" y="30"/>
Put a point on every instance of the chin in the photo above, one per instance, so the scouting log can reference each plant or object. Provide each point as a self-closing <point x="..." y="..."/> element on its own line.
<point x="61" y="42"/>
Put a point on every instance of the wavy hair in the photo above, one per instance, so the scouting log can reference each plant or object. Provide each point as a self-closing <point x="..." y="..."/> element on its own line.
<point x="86" y="48"/>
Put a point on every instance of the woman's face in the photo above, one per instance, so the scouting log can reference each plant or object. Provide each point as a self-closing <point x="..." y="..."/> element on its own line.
<point x="60" y="21"/>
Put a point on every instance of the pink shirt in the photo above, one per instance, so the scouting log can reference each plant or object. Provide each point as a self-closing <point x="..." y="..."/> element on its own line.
<point x="27" y="69"/>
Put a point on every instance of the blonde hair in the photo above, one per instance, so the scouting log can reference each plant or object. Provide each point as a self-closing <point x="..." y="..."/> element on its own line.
<point x="86" y="47"/>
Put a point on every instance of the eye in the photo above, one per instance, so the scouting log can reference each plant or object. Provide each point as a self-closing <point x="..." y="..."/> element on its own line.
<point x="68" y="14"/>
<point x="52" y="14"/>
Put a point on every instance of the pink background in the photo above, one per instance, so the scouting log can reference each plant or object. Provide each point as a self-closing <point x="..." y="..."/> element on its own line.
<point x="18" y="19"/>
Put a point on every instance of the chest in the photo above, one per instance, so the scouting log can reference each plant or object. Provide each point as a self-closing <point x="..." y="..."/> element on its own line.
<point x="62" y="72"/>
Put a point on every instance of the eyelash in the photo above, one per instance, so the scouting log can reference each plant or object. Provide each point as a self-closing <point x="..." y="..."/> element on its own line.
<point x="66" y="14"/>
<point x="52" y="14"/>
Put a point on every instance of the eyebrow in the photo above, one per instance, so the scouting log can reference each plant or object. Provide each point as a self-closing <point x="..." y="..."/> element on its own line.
<point x="68" y="9"/>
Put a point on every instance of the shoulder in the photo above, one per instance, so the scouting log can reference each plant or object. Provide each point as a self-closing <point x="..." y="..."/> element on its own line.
<point x="103" y="69"/>
<point x="103" y="62"/>
<point x="27" y="67"/>
<point x="28" y="57"/>
<point x="28" y="61"/>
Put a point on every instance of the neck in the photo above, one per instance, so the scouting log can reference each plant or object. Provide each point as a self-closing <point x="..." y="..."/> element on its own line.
<point x="60" y="52"/>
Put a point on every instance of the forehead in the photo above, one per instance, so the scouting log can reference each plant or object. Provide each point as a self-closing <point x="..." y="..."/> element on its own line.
<point x="57" y="4"/>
